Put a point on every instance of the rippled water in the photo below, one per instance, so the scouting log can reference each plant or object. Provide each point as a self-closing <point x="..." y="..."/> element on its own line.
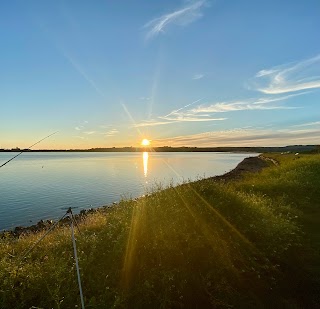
<point x="40" y="185"/>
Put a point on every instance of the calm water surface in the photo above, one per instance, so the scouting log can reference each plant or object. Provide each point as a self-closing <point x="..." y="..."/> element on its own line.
<point x="39" y="186"/>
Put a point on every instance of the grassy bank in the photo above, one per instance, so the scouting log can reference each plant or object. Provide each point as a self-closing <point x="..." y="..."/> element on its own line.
<point x="249" y="243"/>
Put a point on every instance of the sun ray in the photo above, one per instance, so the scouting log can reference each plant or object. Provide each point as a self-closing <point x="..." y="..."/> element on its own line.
<point x="137" y="220"/>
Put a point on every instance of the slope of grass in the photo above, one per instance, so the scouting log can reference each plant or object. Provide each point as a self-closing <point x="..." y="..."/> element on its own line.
<point x="250" y="243"/>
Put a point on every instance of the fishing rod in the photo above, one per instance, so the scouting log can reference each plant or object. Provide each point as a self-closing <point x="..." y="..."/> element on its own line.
<point x="27" y="149"/>
<point x="73" y="221"/>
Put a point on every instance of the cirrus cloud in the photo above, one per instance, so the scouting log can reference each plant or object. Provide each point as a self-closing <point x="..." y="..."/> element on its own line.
<point x="197" y="76"/>
<point x="290" y="77"/>
<point x="242" y="137"/>
<point x="181" y="17"/>
<point x="208" y="112"/>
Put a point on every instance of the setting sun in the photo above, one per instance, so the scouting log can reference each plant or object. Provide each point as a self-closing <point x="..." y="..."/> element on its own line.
<point x="145" y="142"/>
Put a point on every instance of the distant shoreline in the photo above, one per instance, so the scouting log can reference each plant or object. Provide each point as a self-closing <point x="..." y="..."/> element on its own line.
<point x="291" y="148"/>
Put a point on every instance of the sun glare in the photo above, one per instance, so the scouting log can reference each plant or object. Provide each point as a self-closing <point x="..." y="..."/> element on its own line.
<point x="145" y="142"/>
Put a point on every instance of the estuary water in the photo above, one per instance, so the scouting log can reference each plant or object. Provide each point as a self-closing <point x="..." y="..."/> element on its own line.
<point x="40" y="185"/>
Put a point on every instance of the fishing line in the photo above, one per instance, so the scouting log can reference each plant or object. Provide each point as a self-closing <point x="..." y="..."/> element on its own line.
<point x="76" y="255"/>
<point x="75" y="221"/>
<point x="28" y="148"/>
<point x="42" y="237"/>
<point x="72" y="221"/>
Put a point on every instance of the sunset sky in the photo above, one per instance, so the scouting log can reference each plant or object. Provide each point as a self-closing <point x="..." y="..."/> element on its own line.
<point x="179" y="73"/>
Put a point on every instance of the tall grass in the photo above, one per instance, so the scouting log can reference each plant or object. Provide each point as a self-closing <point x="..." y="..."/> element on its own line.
<point x="199" y="245"/>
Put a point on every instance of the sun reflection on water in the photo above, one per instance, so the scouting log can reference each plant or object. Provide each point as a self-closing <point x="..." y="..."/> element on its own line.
<point x="145" y="157"/>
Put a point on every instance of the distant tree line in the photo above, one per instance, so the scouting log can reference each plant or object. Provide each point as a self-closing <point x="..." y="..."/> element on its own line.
<point x="292" y="148"/>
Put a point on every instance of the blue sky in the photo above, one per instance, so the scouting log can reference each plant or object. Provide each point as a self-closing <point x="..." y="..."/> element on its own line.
<point x="180" y="73"/>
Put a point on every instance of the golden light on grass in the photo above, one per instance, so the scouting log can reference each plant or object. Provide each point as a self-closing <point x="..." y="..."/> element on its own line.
<point x="145" y="142"/>
<point x="137" y="222"/>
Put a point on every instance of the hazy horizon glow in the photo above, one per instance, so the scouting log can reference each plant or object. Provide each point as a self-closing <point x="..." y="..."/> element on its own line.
<point x="180" y="73"/>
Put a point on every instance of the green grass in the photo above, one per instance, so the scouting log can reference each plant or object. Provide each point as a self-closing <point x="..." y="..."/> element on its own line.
<point x="250" y="243"/>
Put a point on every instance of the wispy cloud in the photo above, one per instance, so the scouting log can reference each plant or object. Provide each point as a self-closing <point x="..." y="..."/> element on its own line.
<point x="102" y="130"/>
<point x="208" y="112"/>
<point x="308" y="124"/>
<point x="266" y="72"/>
<point x="244" y="137"/>
<point x="182" y="17"/>
<point x="178" y="110"/>
<point x="110" y="133"/>
<point x="152" y="123"/>
<point x="82" y="125"/>
<point x="291" y="77"/>
<point x="248" y="104"/>
<point x="197" y="76"/>
<point x="176" y="116"/>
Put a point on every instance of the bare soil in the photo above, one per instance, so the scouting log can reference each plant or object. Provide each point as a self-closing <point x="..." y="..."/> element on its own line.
<point x="248" y="165"/>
